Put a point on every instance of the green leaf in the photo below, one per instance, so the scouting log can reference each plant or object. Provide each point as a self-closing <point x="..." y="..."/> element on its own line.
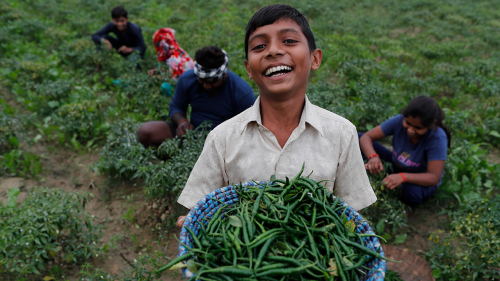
<point x="380" y="226"/>
<point x="436" y="273"/>
<point x="400" y="239"/>
<point x="13" y="140"/>
<point x="273" y="178"/>
<point x="191" y="266"/>
<point x="282" y="246"/>
<point x="53" y="104"/>
<point x="495" y="134"/>
<point x="13" y="193"/>
<point x="235" y="221"/>
<point x="178" y="266"/>
<point x="387" y="236"/>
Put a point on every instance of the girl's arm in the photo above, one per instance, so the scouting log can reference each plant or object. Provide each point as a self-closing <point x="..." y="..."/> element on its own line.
<point x="431" y="178"/>
<point x="374" y="165"/>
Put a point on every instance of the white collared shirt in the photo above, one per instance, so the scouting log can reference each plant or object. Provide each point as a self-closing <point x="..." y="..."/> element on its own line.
<point x="242" y="149"/>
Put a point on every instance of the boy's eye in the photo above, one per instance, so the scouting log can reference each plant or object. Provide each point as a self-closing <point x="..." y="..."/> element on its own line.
<point x="289" y="41"/>
<point x="259" y="47"/>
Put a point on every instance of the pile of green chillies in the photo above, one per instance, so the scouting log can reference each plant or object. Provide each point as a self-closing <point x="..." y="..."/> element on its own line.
<point x="286" y="230"/>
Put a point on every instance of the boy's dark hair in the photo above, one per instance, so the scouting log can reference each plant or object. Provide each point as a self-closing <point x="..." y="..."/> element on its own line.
<point x="271" y="14"/>
<point x="210" y="57"/>
<point x="119" y="12"/>
<point x="428" y="110"/>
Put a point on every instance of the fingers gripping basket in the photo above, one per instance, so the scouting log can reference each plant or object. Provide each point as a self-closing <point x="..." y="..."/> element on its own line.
<point x="207" y="207"/>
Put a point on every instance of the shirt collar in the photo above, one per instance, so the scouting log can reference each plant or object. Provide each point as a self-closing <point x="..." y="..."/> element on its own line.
<point x="309" y="115"/>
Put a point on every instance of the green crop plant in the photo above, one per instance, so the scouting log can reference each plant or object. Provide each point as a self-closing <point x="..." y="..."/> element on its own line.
<point x="49" y="226"/>
<point x="470" y="250"/>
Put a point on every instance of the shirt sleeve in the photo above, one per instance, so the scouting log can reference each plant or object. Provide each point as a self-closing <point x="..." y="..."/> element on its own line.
<point x="97" y="37"/>
<point x="390" y="125"/>
<point x="207" y="175"/>
<point x="180" y="101"/>
<point x="437" y="147"/>
<point x="141" y="46"/>
<point x="351" y="182"/>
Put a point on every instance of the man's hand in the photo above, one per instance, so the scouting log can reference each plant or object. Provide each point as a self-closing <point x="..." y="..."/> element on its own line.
<point x="392" y="181"/>
<point x="152" y="72"/>
<point x="180" y="222"/>
<point x="183" y="127"/>
<point x="107" y="43"/>
<point x="125" y="50"/>
<point x="374" y="166"/>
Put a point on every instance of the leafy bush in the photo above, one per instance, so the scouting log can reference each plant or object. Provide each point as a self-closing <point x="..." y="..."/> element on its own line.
<point x="467" y="172"/>
<point x="124" y="156"/>
<point x="50" y="226"/>
<point x="11" y="128"/>
<point x="19" y="163"/>
<point x="471" y="249"/>
<point x="84" y="119"/>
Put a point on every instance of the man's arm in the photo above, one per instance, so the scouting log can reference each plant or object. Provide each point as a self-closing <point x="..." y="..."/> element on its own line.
<point x="98" y="36"/>
<point x="178" y="108"/>
<point x="140" y="45"/>
<point x="352" y="183"/>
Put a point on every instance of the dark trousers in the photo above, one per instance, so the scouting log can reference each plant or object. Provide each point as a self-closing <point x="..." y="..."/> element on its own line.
<point x="412" y="194"/>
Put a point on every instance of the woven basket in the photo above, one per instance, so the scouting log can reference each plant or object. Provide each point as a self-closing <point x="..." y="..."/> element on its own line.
<point x="207" y="207"/>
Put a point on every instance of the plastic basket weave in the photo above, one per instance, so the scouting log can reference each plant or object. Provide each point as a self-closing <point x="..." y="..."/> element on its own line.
<point x="207" y="207"/>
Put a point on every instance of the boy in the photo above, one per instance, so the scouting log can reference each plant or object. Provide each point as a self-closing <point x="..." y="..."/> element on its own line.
<point x="282" y="130"/>
<point x="128" y="35"/>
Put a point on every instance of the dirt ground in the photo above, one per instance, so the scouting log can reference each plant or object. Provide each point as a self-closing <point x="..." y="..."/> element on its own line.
<point x="64" y="170"/>
<point x="68" y="170"/>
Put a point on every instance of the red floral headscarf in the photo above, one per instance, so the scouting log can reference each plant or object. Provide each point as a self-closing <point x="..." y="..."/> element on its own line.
<point x="168" y="51"/>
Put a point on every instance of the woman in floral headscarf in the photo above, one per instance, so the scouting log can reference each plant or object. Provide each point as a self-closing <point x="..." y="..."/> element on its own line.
<point x="169" y="51"/>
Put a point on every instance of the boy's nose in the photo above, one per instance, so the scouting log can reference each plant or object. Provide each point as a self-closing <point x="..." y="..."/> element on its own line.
<point x="274" y="49"/>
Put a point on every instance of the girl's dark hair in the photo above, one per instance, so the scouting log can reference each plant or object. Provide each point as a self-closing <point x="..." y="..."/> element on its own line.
<point x="119" y="12"/>
<point x="210" y="57"/>
<point x="271" y="14"/>
<point x="427" y="109"/>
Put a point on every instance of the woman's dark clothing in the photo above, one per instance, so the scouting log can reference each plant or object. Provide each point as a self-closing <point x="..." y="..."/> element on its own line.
<point x="132" y="37"/>
<point x="412" y="194"/>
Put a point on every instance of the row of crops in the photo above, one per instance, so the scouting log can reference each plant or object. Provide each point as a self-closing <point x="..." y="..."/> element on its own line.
<point x="378" y="55"/>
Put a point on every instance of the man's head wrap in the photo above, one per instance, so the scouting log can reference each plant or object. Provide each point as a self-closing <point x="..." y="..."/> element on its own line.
<point x="211" y="74"/>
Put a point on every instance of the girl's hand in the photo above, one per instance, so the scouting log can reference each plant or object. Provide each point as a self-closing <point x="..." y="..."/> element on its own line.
<point x="374" y="165"/>
<point x="392" y="181"/>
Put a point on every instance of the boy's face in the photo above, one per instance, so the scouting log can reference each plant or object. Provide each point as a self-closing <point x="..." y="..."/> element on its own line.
<point x="279" y="60"/>
<point x="121" y="23"/>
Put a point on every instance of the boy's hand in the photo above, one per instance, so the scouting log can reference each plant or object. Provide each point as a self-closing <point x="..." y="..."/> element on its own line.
<point x="180" y="221"/>
<point x="183" y="127"/>
<point x="152" y="72"/>
<point x="107" y="43"/>
<point x="125" y="50"/>
<point x="374" y="165"/>
<point x="392" y="181"/>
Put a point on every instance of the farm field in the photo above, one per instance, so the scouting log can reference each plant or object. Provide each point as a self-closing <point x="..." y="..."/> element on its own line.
<point x="83" y="200"/>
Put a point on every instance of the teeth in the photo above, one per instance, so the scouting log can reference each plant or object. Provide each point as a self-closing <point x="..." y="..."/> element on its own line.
<point x="277" y="68"/>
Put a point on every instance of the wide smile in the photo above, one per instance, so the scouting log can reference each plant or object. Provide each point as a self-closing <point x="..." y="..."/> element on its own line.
<point x="275" y="71"/>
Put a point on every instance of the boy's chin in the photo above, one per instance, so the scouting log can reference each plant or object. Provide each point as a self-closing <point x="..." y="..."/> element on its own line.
<point x="279" y="90"/>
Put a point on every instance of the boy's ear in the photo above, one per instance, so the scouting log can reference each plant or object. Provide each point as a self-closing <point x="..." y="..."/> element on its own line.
<point x="247" y="66"/>
<point x="316" y="57"/>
